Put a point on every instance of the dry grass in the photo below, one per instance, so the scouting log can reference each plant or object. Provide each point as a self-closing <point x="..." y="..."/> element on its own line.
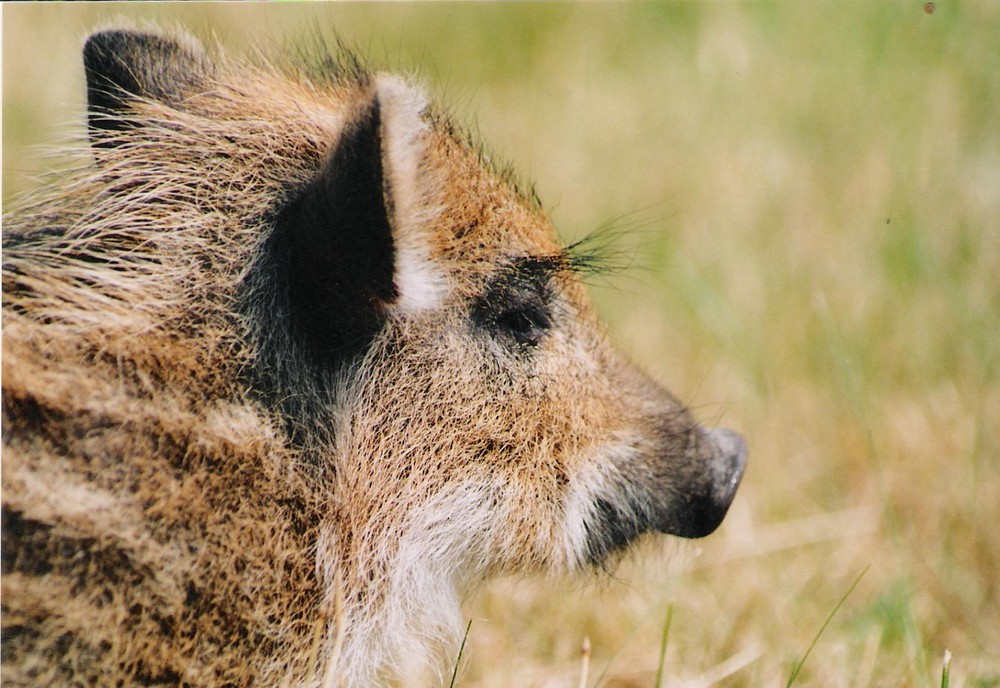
<point x="813" y="191"/>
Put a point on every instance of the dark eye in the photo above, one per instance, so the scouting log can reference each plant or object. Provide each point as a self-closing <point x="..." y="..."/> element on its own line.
<point x="526" y="324"/>
<point x="515" y="306"/>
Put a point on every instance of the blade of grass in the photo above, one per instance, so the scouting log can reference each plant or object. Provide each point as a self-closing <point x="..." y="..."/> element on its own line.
<point x="458" y="660"/>
<point x="663" y="647"/>
<point x="584" y="662"/>
<point x="946" y="669"/>
<point x="798" y="667"/>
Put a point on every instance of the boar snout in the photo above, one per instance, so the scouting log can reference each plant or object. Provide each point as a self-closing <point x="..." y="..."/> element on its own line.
<point x="700" y="509"/>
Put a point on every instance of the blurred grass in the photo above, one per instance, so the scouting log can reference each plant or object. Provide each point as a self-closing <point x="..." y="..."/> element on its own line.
<point x="812" y="193"/>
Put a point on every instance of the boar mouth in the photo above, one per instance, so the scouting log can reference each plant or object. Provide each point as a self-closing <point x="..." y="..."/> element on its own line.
<point x="691" y="505"/>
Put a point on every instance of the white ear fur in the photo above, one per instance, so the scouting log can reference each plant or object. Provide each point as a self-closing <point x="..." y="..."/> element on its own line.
<point x="421" y="283"/>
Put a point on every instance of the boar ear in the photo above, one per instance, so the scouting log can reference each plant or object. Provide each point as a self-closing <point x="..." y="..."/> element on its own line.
<point x="122" y="65"/>
<point x="413" y="194"/>
<point x="332" y="247"/>
<point x="344" y="249"/>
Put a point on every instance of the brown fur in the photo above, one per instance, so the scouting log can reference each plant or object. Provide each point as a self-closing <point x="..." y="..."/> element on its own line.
<point x="186" y="499"/>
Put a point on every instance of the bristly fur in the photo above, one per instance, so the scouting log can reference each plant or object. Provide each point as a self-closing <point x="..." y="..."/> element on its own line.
<point x="287" y="371"/>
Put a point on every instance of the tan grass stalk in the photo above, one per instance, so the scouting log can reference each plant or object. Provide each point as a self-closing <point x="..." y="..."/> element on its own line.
<point x="584" y="661"/>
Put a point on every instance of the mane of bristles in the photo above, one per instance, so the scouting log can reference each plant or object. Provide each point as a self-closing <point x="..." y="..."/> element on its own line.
<point x="444" y="120"/>
<point x="316" y="60"/>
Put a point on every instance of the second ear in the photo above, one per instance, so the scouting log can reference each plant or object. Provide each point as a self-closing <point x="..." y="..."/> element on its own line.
<point x="122" y="65"/>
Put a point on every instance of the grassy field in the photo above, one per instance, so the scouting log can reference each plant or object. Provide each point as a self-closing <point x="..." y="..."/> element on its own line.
<point x="809" y="193"/>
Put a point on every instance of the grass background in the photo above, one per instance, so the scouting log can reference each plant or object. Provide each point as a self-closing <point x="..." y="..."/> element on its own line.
<point x="810" y="192"/>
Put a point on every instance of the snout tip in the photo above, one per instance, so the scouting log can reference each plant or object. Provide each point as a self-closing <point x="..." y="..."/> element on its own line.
<point x="729" y="463"/>
<point x="700" y="512"/>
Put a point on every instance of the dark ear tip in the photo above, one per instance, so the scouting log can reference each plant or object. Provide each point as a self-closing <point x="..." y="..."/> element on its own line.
<point x="118" y="50"/>
<point x="105" y="40"/>
<point x="115" y="47"/>
<point x="116" y="40"/>
<point x="122" y="63"/>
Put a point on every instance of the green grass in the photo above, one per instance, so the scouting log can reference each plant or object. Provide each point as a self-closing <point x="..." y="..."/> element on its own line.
<point x="664" y="639"/>
<point x="798" y="666"/>
<point x="458" y="658"/>
<point x="810" y="192"/>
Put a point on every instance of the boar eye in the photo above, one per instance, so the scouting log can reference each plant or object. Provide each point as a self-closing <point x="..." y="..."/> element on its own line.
<point x="515" y="306"/>
<point x="526" y="325"/>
